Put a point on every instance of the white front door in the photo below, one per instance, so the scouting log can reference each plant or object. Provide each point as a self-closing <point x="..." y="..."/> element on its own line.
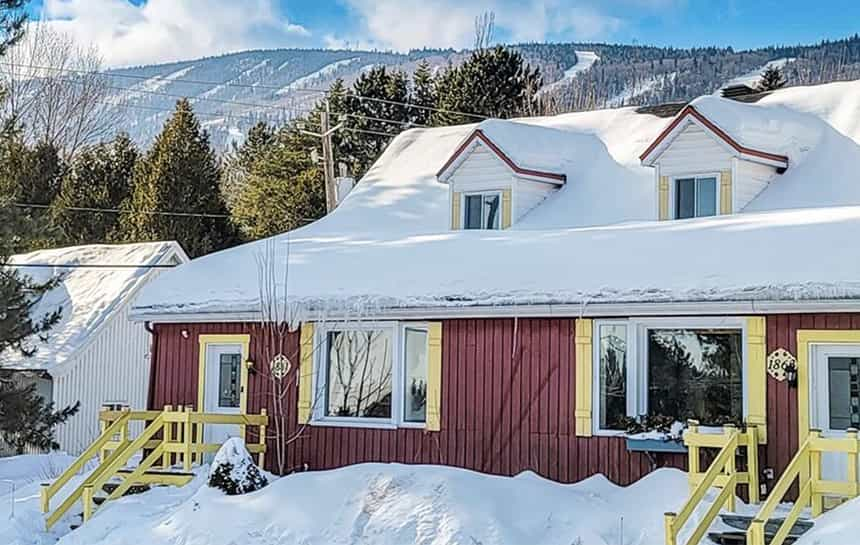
<point x="222" y="388"/>
<point x="834" y="400"/>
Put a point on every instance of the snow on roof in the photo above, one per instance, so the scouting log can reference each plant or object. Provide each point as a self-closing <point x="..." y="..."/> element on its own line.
<point x="389" y="243"/>
<point x="86" y="297"/>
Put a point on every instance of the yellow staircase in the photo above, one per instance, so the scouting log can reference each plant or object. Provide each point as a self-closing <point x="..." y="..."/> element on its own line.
<point x="171" y="439"/>
<point x="761" y="529"/>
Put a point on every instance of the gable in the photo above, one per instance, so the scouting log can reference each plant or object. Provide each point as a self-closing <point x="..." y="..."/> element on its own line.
<point x="694" y="150"/>
<point x="480" y="169"/>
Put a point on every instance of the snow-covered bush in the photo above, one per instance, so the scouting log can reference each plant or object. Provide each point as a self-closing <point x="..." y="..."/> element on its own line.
<point x="233" y="470"/>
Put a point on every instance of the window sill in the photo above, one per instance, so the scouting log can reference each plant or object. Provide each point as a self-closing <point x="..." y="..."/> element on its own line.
<point x="385" y="425"/>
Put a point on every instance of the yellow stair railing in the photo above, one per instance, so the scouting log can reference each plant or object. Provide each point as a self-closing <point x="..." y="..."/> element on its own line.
<point x="169" y="437"/>
<point x="722" y="473"/>
<point x="805" y="468"/>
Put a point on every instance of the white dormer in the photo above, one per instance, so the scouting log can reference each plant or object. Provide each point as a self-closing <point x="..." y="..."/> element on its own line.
<point x="494" y="180"/>
<point x="701" y="170"/>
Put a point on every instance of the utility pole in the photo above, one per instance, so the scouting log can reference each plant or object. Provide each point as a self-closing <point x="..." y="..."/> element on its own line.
<point x="328" y="159"/>
<point x="328" y="154"/>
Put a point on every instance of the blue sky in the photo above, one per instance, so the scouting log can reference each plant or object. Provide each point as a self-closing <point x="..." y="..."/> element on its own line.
<point x="141" y="31"/>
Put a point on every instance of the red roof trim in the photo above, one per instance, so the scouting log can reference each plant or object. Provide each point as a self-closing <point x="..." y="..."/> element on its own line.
<point x="690" y="110"/>
<point x="479" y="134"/>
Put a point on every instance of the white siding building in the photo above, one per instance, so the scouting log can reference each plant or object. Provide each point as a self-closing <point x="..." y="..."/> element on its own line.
<point x="94" y="354"/>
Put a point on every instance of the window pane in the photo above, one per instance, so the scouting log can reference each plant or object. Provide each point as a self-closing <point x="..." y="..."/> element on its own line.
<point x="695" y="373"/>
<point x="358" y="381"/>
<point x="415" y="379"/>
<point x="491" y="205"/>
<point x="613" y="376"/>
<point x="474" y="213"/>
<point x="844" y="379"/>
<point x="706" y="197"/>
<point x="685" y="198"/>
<point x="228" y="380"/>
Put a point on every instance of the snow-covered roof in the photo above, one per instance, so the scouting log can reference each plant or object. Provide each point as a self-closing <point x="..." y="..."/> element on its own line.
<point x="86" y="297"/>
<point x="389" y="243"/>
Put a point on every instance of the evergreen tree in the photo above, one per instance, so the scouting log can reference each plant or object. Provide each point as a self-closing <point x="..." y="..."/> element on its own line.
<point x="492" y="82"/>
<point x="423" y="94"/>
<point x="282" y="189"/>
<point x="178" y="174"/>
<point x="377" y="106"/>
<point x="771" y="79"/>
<point x="29" y="176"/>
<point x="99" y="177"/>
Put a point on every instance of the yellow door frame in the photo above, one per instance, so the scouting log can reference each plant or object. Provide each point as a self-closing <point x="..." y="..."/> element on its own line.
<point x="244" y="340"/>
<point x="806" y="338"/>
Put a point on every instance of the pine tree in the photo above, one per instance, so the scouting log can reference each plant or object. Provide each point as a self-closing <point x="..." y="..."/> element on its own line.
<point x="376" y="106"/>
<point x="423" y="94"/>
<point x="282" y="189"/>
<point x="178" y="174"/>
<point x="99" y="177"/>
<point x="492" y="82"/>
<point x="771" y="79"/>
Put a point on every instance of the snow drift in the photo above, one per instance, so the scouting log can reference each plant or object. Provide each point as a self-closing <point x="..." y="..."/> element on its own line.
<point x="387" y="504"/>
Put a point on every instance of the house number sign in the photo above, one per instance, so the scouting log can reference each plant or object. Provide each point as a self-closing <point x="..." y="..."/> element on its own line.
<point x="780" y="363"/>
<point x="280" y="366"/>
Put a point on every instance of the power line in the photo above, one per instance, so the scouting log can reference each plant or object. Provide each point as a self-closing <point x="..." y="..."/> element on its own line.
<point x="88" y="266"/>
<point x="252" y="86"/>
<point x="121" y="211"/>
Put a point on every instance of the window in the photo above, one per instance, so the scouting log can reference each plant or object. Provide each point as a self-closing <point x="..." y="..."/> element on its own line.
<point x="228" y="380"/>
<point x="613" y="374"/>
<point x="373" y="374"/>
<point x="844" y="385"/>
<point x="680" y="369"/>
<point x="415" y="375"/>
<point x="482" y="211"/>
<point x="695" y="197"/>
<point x="358" y="374"/>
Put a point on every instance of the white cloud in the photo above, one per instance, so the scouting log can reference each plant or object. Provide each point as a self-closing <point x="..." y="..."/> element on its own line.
<point x="168" y="30"/>
<point x="407" y="24"/>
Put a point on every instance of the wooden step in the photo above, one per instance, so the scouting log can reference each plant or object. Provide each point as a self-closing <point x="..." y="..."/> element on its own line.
<point x="740" y="538"/>
<point x="158" y="476"/>
<point x="133" y="489"/>
<point x="742" y="522"/>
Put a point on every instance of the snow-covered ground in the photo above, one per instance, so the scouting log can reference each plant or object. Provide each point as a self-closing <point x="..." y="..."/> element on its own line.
<point x="316" y="77"/>
<point x="584" y="60"/>
<point x="380" y="504"/>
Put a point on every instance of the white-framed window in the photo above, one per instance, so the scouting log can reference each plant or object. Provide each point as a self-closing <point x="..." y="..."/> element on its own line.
<point x="482" y="210"/>
<point x="696" y="196"/>
<point x="681" y="368"/>
<point x="371" y="374"/>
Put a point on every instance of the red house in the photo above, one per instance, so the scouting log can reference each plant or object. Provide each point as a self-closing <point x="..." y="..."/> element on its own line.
<point x="525" y="295"/>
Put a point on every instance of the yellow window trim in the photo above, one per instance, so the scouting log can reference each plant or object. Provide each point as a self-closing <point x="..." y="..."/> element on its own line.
<point x="306" y="373"/>
<point x="583" y="387"/>
<point x="756" y="370"/>
<point x="506" y="208"/>
<point x="726" y="192"/>
<point x="455" y="210"/>
<point x="206" y="339"/>
<point x="663" y="197"/>
<point x="434" y="376"/>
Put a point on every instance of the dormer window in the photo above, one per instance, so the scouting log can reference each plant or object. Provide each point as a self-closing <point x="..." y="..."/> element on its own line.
<point x="482" y="210"/>
<point x="696" y="197"/>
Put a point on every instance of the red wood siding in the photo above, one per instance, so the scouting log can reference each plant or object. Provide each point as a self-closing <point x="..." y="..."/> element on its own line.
<point x="507" y="404"/>
<point x="782" y="399"/>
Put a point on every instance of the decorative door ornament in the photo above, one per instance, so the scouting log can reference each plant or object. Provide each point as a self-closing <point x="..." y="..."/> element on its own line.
<point x="280" y="366"/>
<point x="781" y="365"/>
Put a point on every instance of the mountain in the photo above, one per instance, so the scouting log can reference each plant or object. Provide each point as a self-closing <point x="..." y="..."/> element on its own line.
<point x="232" y="92"/>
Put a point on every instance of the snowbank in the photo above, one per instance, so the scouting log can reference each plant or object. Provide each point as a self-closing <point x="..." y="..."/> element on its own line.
<point x="399" y="505"/>
<point x="86" y="297"/>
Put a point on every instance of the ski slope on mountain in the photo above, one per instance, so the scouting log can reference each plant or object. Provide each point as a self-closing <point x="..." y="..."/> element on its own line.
<point x="584" y="61"/>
